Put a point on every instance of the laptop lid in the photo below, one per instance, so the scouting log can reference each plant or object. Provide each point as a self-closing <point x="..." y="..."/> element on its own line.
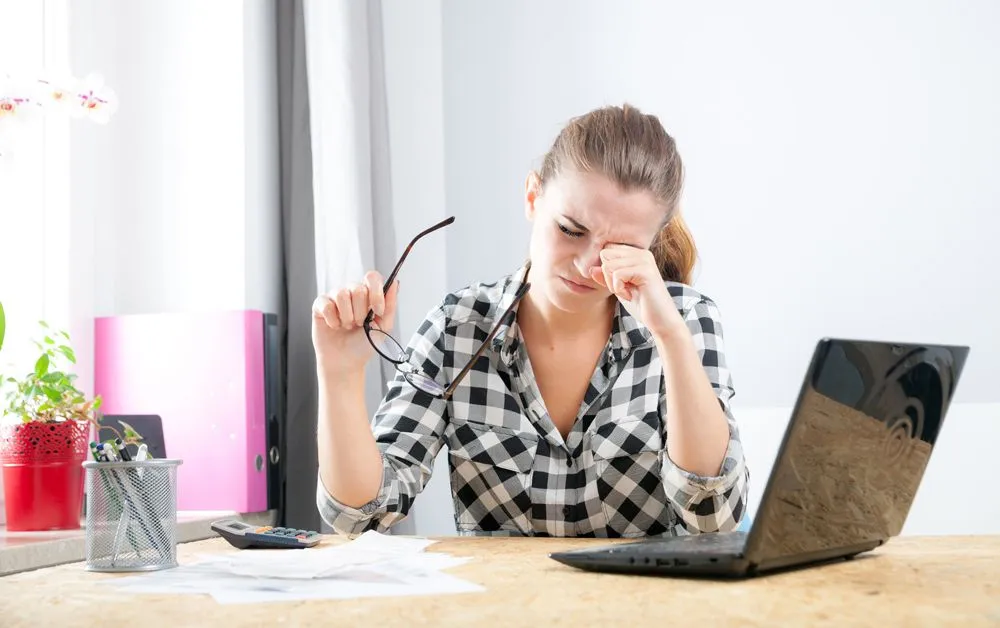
<point x="855" y="450"/>
<point x="150" y="426"/>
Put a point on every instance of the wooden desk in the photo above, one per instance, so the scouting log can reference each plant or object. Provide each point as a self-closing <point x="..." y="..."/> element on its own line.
<point x="912" y="581"/>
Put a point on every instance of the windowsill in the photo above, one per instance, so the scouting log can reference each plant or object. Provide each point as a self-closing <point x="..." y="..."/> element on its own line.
<point x="24" y="551"/>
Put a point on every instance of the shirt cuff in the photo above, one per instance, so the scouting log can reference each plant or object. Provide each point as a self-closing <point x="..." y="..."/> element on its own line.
<point x="691" y="488"/>
<point x="336" y="513"/>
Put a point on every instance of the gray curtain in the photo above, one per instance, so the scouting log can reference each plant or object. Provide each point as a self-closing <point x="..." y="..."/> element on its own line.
<point x="298" y="270"/>
<point x="362" y="88"/>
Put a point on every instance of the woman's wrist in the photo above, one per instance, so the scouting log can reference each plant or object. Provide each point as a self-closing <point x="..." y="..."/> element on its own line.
<point x="337" y="376"/>
<point x="672" y="336"/>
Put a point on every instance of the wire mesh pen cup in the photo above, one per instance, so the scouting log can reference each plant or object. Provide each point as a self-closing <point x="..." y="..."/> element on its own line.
<point x="131" y="522"/>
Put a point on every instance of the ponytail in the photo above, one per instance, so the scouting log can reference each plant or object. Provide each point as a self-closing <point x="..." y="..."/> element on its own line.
<point x="675" y="251"/>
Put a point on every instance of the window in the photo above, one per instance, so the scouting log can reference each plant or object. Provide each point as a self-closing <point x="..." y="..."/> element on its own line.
<point x="34" y="181"/>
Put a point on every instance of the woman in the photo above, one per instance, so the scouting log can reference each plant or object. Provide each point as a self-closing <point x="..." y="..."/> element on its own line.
<point x="599" y="407"/>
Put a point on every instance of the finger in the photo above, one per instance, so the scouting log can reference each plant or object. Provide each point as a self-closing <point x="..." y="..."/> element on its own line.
<point x="344" y="308"/>
<point x="616" y="251"/>
<point x="625" y="280"/>
<point x="609" y="277"/>
<point x="325" y="309"/>
<point x="623" y="289"/>
<point x="391" y="300"/>
<point x="597" y="274"/>
<point x="376" y="299"/>
<point x="359" y="301"/>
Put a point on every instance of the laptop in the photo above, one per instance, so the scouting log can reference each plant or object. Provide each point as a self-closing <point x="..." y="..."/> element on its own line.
<point x="150" y="426"/>
<point x="853" y="455"/>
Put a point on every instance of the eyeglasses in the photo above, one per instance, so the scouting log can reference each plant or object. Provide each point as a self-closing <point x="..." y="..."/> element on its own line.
<point x="390" y="349"/>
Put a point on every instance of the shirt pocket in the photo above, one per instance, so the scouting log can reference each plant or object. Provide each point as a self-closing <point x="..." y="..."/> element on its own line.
<point x="491" y="471"/>
<point x="627" y="473"/>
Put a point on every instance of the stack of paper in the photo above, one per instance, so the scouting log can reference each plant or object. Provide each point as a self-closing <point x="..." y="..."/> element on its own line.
<point x="371" y="565"/>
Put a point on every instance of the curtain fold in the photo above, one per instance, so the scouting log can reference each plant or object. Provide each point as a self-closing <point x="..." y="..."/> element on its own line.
<point x="336" y="198"/>
<point x="298" y="271"/>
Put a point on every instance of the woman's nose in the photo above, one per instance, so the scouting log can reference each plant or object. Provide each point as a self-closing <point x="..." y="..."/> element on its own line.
<point x="589" y="259"/>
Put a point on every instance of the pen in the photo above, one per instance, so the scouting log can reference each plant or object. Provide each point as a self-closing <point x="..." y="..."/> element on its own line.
<point x="122" y="529"/>
<point x="122" y="450"/>
<point x="133" y="496"/>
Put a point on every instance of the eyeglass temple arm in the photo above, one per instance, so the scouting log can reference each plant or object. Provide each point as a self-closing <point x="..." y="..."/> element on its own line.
<point x="402" y="258"/>
<point x="486" y="343"/>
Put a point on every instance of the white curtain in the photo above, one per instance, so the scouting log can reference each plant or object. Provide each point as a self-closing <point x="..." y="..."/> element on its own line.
<point x="338" y="212"/>
<point x="352" y="208"/>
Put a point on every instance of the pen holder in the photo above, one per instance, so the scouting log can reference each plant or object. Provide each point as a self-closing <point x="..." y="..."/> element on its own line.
<point x="131" y="522"/>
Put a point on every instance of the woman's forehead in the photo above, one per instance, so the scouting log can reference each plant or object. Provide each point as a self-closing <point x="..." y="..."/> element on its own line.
<point x="597" y="203"/>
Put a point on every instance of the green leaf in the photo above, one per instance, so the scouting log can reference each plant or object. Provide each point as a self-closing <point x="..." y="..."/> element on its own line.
<point x="52" y="378"/>
<point x="49" y="341"/>
<point x="97" y="402"/>
<point x="42" y="366"/>
<point x="130" y="433"/>
<point x="64" y="335"/>
<point x="66" y="351"/>
<point x="54" y="395"/>
<point x="3" y="325"/>
<point x="43" y="324"/>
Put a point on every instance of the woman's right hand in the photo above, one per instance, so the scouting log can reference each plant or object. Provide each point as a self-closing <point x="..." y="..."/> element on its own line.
<point x="337" y="323"/>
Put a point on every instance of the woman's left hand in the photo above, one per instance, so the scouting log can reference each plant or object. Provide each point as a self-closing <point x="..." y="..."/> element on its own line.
<point x="631" y="274"/>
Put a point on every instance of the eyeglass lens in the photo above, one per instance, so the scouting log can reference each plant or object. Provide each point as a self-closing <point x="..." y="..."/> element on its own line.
<point x="386" y="345"/>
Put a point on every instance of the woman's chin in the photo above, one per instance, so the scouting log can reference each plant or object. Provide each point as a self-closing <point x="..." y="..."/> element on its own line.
<point x="574" y="302"/>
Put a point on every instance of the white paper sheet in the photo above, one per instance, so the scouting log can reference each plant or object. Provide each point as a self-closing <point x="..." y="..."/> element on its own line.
<point x="372" y="565"/>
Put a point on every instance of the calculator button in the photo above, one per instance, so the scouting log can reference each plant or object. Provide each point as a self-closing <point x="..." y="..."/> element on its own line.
<point x="263" y="529"/>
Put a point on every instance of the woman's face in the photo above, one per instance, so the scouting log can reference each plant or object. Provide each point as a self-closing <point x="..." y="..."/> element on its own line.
<point x="573" y="218"/>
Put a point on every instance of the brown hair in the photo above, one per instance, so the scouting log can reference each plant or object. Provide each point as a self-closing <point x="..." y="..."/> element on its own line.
<point x="633" y="150"/>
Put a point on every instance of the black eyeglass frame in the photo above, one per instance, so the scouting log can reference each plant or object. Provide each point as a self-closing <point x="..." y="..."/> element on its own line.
<point x="403" y="365"/>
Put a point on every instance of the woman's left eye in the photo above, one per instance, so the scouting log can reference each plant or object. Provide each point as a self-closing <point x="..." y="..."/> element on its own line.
<point x="572" y="234"/>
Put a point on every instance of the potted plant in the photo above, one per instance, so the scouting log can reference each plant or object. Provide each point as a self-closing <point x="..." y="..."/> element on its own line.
<point x="44" y="439"/>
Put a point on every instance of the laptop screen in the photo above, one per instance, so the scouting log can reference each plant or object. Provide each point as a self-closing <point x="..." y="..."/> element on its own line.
<point x="856" y="448"/>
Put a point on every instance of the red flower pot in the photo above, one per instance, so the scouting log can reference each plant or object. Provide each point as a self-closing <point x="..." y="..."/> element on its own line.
<point x="43" y="474"/>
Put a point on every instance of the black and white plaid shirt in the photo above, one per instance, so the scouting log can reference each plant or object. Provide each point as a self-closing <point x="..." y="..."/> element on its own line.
<point x="511" y="471"/>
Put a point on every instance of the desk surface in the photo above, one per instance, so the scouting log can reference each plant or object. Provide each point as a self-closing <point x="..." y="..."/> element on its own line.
<point x="910" y="581"/>
<point x="22" y="551"/>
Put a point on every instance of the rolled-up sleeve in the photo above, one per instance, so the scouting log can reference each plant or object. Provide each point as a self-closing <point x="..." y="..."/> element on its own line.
<point x="408" y="427"/>
<point x="710" y="503"/>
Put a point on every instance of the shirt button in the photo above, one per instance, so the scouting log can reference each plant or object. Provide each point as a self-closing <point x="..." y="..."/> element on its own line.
<point x="569" y="462"/>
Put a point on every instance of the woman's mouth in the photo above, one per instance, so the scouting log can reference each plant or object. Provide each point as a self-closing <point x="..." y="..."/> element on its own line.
<point x="578" y="288"/>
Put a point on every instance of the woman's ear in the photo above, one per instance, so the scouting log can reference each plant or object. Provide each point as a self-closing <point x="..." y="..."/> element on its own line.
<point x="532" y="190"/>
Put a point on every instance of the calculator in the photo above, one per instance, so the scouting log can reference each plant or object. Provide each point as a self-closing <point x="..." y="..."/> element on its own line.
<point x="245" y="536"/>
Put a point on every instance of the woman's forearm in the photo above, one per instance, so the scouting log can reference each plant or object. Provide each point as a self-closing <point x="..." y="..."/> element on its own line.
<point x="697" y="430"/>
<point x="350" y="464"/>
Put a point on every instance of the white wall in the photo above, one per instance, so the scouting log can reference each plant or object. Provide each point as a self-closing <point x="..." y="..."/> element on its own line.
<point x="839" y="163"/>
<point x="181" y="188"/>
<point x="414" y="93"/>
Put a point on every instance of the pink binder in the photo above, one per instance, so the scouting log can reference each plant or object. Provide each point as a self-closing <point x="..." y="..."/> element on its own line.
<point x="203" y="373"/>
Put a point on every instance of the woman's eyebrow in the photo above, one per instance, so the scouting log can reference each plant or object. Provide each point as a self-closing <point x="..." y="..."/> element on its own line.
<point x="575" y="223"/>
<point x="580" y="227"/>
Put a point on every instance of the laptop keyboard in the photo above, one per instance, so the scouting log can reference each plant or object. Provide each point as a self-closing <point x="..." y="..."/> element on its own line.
<point x="720" y="543"/>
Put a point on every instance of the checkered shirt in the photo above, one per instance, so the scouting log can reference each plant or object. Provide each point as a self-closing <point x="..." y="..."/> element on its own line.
<point x="512" y="473"/>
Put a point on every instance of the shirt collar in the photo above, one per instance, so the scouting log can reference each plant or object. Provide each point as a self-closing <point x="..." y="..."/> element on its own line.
<point x="626" y="331"/>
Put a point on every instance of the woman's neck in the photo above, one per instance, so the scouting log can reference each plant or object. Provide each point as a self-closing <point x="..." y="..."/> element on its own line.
<point x="545" y="320"/>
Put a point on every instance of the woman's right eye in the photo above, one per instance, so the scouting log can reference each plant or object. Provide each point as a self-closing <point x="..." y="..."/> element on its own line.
<point x="572" y="234"/>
